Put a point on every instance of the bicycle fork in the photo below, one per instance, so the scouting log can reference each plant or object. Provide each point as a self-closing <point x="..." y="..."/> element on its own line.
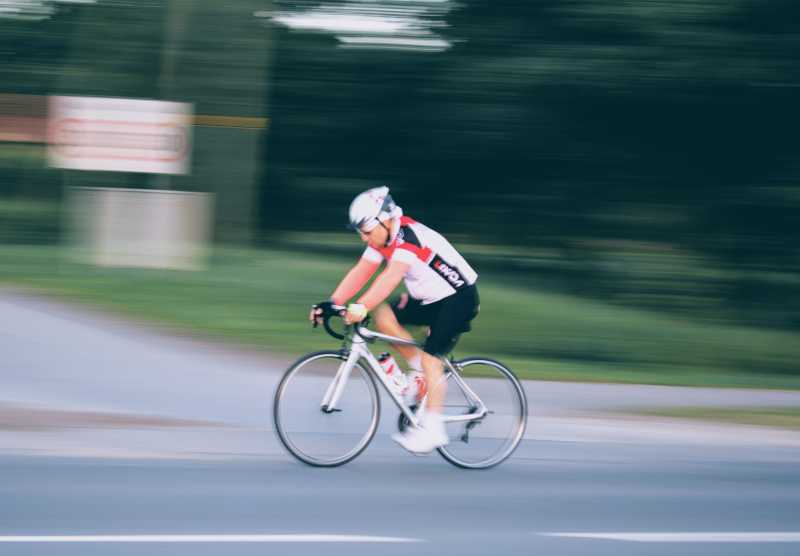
<point x="334" y="391"/>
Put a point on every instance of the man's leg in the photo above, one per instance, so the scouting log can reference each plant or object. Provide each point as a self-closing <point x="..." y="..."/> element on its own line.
<point x="387" y="323"/>
<point x="433" y="433"/>
<point x="447" y="319"/>
<point x="432" y="366"/>
<point x="437" y="388"/>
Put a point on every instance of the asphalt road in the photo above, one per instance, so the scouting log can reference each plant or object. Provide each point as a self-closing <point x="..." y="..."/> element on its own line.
<point x="513" y="509"/>
<point x="119" y="439"/>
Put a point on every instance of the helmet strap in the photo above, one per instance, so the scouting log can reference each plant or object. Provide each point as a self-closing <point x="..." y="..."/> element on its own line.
<point x="388" y="233"/>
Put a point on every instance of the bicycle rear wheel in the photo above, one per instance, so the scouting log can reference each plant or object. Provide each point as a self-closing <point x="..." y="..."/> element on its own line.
<point x="310" y="433"/>
<point x="489" y="441"/>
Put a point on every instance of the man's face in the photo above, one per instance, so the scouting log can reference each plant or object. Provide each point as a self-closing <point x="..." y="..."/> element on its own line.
<point x="377" y="236"/>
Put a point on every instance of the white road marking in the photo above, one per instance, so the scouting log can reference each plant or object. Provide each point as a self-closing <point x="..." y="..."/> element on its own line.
<point x="760" y="537"/>
<point x="203" y="539"/>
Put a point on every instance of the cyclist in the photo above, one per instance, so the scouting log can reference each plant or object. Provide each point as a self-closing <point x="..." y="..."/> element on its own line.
<point x="441" y="295"/>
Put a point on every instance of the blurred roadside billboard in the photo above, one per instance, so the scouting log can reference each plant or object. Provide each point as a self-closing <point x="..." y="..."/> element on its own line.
<point x="119" y="135"/>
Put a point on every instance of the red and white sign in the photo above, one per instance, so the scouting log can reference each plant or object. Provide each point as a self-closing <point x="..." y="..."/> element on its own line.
<point x="118" y="134"/>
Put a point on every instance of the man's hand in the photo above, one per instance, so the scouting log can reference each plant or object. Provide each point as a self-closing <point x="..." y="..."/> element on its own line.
<point x="319" y="311"/>
<point x="356" y="312"/>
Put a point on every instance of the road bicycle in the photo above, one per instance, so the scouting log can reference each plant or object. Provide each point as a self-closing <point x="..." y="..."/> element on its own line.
<point x="327" y="406"/>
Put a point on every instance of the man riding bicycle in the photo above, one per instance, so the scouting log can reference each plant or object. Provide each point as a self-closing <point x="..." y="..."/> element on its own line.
<point x="441" y="295"/>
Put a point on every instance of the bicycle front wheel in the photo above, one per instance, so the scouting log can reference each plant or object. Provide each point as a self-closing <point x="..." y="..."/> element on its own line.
<point x="316" y="435"/>
<point x="486" y="442"/>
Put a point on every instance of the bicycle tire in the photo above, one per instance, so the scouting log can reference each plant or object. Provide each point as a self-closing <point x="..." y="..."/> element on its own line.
<point x="280" y="400"/>
<point x="518" y="423"/>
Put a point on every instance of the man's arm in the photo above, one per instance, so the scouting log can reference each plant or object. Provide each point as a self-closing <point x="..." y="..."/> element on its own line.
<point x="384" y="284"/>
<point x="354" y="280"/>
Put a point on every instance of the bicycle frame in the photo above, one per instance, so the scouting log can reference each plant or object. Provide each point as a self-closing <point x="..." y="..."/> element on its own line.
<point x="358" y="350"/>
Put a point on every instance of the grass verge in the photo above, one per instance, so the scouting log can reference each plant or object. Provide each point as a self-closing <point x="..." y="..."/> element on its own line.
<point x="777" y="417"/>
<point x="261" y="298"/>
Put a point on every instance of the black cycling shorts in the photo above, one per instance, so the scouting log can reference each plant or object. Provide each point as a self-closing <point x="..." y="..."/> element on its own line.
<point x="447" y="318"/>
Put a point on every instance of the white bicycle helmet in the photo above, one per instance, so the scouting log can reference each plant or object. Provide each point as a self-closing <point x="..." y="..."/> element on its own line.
<point x="369" y="207"/>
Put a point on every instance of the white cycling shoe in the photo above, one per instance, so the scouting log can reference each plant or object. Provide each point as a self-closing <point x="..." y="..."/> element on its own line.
<point x="426" y="439"/>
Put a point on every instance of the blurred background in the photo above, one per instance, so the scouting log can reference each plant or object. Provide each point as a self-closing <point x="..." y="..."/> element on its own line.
<point x="624" y="175"/>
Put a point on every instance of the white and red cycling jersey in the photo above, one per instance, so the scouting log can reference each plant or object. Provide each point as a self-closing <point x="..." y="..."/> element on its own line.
<point x="436" y="269"/>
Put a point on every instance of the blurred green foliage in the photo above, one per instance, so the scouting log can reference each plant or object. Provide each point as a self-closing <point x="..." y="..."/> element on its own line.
<point x="646" y="131"/>
<point x="35" y="220"/>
